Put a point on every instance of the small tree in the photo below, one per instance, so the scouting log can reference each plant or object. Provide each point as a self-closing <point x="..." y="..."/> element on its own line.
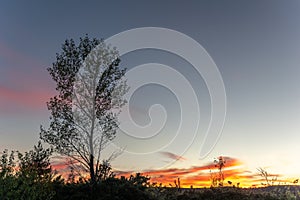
<point x="269" y="178"/>
<point x="36" y="163"/>
<point x="105" y="171"/>
<point x="28" y="177"/>
<point x="7" y="174"/>
<point x="35" y="174"/>
<point x="7" y="164"/>
<point x="84" y="113"/>
<point x="217" y="179"/>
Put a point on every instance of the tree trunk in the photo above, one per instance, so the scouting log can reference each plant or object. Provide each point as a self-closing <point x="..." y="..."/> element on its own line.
<point x="92" y="171"/>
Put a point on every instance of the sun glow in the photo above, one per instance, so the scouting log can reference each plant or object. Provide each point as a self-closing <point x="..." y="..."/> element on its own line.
<point x="235" y="174"/>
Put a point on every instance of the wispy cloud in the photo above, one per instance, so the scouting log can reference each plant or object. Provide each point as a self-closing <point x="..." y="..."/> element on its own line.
<point x="24" y="82"/>
<point x="172" y="155"/>
<point x="12" y="99"/>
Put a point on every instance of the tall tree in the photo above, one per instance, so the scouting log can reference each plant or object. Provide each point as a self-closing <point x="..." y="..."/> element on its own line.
<point x="84" y="114"/>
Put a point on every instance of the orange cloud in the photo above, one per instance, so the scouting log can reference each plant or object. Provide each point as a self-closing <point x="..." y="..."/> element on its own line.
<point x="199" y="176"/>
<point x="196" y="176"/>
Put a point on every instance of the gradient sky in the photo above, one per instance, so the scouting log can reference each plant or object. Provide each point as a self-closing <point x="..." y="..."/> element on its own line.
<point x="255" y="44"/>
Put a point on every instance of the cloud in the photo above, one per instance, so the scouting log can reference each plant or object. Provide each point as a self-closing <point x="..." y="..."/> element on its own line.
<point x="196" y="176"/>
<point x="172" y="156"/>
<point x="13" y="100"/>
<point x="199" y="176"/>
<point x="25" y="84"/>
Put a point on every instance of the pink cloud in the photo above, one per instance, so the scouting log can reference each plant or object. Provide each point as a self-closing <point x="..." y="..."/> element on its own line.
<point x="12" y="99"/>
<point x="25" y="83"/>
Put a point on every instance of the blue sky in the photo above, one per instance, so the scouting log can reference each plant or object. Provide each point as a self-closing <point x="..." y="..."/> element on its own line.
<point x="255" y="45"/>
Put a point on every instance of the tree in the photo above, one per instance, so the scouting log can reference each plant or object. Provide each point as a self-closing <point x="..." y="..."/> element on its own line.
<point x="7" y="171"/>
<point x="84" y="114"/>
<point x="7" y="164"/>
<point x="34" y="176"/>
<point x="264" y="174"/>
<point x="218" y="179"/>
<point x="269" y="178"/>
<point x="27" y="177"/>
<point x="36" y="163"/>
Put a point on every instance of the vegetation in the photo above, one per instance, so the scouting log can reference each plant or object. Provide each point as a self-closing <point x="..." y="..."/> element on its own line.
<point x="30" y="176"/>
<point x="218" y="178"/>
<point x="27" y="176"/>
<point x="84" y="113"/>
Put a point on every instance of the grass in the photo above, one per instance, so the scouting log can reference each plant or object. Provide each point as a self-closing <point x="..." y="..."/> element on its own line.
<point x="285" y="192"/>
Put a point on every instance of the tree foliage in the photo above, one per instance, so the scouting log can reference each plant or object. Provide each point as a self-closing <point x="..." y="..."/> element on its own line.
<point x="35" y="163"/>
<point x="27" y="176"/>
<point x="90" y="94"/>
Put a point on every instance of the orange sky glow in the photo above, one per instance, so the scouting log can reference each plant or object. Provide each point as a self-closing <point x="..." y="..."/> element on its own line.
<point x="199" y="176"/>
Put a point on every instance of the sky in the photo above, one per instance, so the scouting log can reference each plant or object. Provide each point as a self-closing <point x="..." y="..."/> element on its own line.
<point x="254" y="44"/>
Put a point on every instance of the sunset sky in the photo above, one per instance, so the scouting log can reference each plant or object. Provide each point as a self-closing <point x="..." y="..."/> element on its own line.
<point x="255" y="45"/>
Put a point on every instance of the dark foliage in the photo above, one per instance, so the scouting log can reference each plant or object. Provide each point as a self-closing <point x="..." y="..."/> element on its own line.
<point x="83" y="113"/>
<point x="28" y="177"/>
<point x="134" y="187"/>
<point x="32" y="185"/>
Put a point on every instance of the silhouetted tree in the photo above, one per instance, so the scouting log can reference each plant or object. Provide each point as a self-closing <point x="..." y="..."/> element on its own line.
<point x="7" y="163"/>
<point x="105" y="170"/>
<point x="28" y="177"/>
<point x="90" y="94"/>
<point x="36" y="163"/>
<point x="269" y="178"/>
<point x="7" y="171"/>
<point x="35" y="174"/>
<point x="217" y="179"/>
